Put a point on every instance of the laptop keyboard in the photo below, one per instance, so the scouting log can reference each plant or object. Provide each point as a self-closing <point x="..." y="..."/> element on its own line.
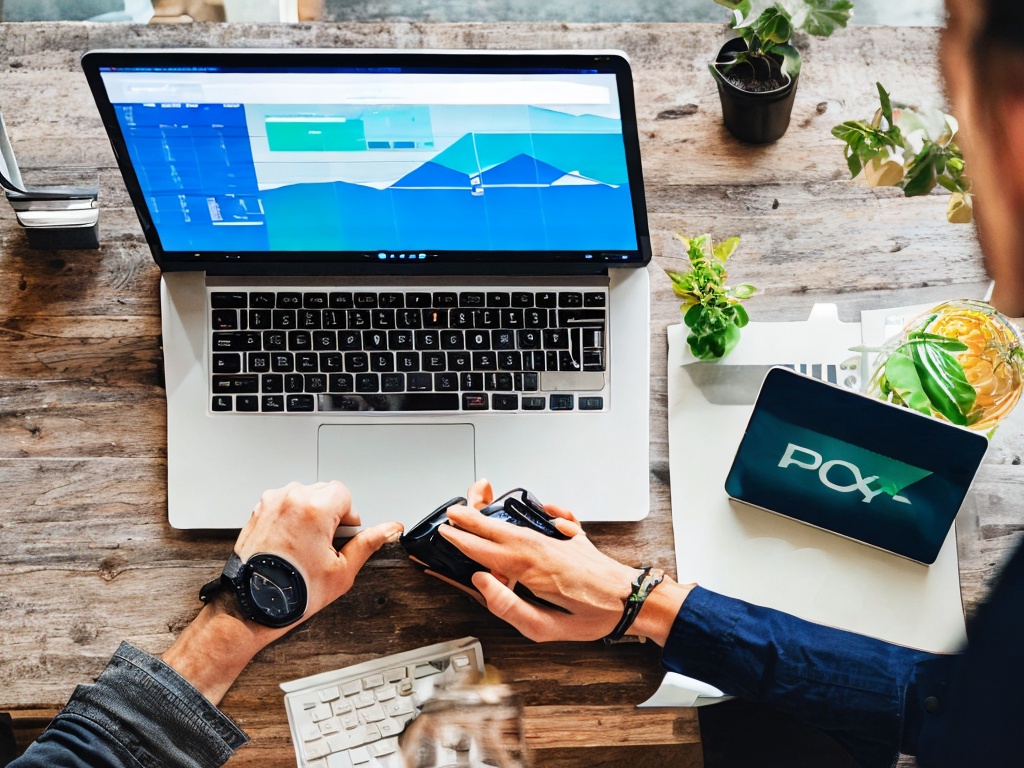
<point x="354" y="715"/>
<point x="303" y="351"/>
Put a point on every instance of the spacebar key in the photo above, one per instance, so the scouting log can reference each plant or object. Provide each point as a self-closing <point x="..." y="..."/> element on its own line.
<point x="412" y="401"/>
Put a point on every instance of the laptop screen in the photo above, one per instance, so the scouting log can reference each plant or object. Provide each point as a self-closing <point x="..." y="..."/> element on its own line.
<point x="379" y="157"/>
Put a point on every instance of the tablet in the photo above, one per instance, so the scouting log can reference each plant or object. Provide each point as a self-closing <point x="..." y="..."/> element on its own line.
<point x="853" y="465"/>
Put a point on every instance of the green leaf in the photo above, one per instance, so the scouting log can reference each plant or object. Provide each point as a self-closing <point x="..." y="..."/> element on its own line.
<point x="693" y="315"/>
<point x="774" y="26"/>
<point x="741" y="318"/>
<point x="919" y="178"/>
<point x="902" y="377"/>
<point x="823" y="16"/>
<point x="743" y="291"/>
<point x="883" y="96"/>
<point x="790" y="59"/>
<point x="944" y="381"/>
<point x="725" y="249"/>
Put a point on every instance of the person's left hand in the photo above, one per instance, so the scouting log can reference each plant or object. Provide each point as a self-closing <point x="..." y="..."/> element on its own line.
<point x="298" y="522"/>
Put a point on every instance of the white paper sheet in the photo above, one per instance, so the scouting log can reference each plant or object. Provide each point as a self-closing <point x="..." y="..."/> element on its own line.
<point x="769" y="560"/>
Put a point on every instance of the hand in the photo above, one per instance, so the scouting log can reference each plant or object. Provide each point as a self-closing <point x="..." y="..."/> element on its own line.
<point x="572" y="574"/>
<point x="298" y="523"/>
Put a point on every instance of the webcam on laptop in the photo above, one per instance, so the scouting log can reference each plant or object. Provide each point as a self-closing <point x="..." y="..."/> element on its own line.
<point x="427" y="546"/>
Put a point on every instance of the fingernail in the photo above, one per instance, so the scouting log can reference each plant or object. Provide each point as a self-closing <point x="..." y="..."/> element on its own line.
<point x="394" y="535"/>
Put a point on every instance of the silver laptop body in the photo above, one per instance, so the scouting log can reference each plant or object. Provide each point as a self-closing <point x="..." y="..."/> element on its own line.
<point x="337" y="188"/>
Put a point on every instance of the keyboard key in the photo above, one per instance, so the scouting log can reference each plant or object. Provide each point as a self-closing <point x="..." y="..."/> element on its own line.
<point x="294" y="382"/>
<point x="579" y="318"/>
<point x="410" y="401"/>
<point x="488" y="318"/>
<point x="535" y="318"/>
<point x="330" y="362"/>
<point x="462" y="318"/>
<point x="471" y="402"/>
<point x="333" y="318"/>
<point x="445" y="299"/>
<point x="459" y="361"/>
<point x="357" y="362"/>
<point x="407" y="361"/>
<point x="342" y="300"/>
<point x="398" y="340"/>
<point x="435" y="318"/>
<point x="510" y="361"/>
<point x="471" y="381"/>
<point x="224" y="300"/>
<point x="315" y="382"/>
<point x="348" y="340"/>
<point x="260" y="319"/>
<point x="341" y="707"/>
<point x="352" y="688"/>
<point x="561" y="402"/>
<point x="471" y="299"/>
<point x="307" y="362"/>
<point x="500" y="382"/>
<point x="257" y="362"/>
<point x="272" y="404"/>
<point x="382" y="318"/>
<point x="522" y="299"/>
<point x="503" y="339"/>
<point x="446" y="382"/>
<point x="566" y="362"/>
<point x="452" y="340"/>
<point x="358" y="319"/>
<point x="435" y="361"/>
<point x="485" y="361"/>
<point x="274" y="340"/>
<point x="375" y="340"/>
<point x="528" y="339"/>
<point x="546" y="299"/>
<point x="367" y="382"/>
<point x="478" y="340"/>
<point x="227" y="363"/>
<point x="392" y="382"/>
<point x="284" y="319"/>
<point x="408" y="318"/>
<point x="299" y="340"/>
<point x="236" y="341"/>
<point x="247" y="403"/>
<point x="325" y="340"/>
<point x="340" y="383"/>
<point x="512" y="318"/>
<point x="225" y="320"/>
<point x="426" y="340"/>
<point x="314" y="300"/>
<point x="418" y="382"/>
<point x="556" y="338"/>
<point x="417" y="299"/>
<point x="314" y="749"/>
<point x="262" y="300"/>
<point x="359" y="756"/>
<point x="391" y="299"/>
<point x="382" y="362"/>
<point x="330" y="694"/>
<point x="365" y="300"/>
<point x="591" y="299"/>
<point x="272" y="383"/>
<point x="501" y="402"/>
<point x="309" y="319"/>
<point x="301" y="403"/>
<point x="591" y="403"/>
<point x="282" y="362"/>
<point x="222" y="403"/>
<point x="234" y="385"/>
<point x="570" y="299"/>
<point x="526" y="382"/>
<point x="533" y="403"/>
<point x="289" y="300"/>
<point x="498" y="299"/>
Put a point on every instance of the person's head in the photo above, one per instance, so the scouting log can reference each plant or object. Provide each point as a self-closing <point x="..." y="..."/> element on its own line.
<point x="983" y="64"/>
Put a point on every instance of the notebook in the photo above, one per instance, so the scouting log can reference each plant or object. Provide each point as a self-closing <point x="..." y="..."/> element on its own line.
<point x="402" y="270"/>
<point x="854" y="465"/>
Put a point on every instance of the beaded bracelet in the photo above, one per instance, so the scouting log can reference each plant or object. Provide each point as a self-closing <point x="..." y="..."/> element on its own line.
<point x="642" y="586"/>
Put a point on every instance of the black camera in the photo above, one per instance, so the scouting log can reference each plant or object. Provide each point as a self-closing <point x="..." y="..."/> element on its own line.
<point x="427" y="546"/>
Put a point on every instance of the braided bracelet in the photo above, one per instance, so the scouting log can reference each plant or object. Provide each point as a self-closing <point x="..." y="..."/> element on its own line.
<point x="642" y="586"/>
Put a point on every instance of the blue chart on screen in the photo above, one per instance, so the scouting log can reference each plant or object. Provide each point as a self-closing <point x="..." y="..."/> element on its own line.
<point x="392" y="177"/>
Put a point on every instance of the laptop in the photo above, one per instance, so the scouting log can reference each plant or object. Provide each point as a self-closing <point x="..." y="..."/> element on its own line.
<point x="403" y="270"/>
<point x="853" y="465"/>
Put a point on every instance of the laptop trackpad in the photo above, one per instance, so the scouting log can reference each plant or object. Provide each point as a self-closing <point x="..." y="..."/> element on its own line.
<point x="397" y="471"/>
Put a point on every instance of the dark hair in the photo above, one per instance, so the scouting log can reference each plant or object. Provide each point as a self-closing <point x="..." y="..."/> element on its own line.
<point x="1003" y="24"/>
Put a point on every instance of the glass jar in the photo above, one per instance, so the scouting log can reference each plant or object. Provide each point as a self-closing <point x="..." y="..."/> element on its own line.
<point x="990" y="354"/>
<point x="467" y="726"/>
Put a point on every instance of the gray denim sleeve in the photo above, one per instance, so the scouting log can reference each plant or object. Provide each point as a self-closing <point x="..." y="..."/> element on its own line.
<point x="139" y="712"/>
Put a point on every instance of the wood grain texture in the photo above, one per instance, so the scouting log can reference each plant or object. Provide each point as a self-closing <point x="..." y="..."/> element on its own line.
<point x="86" y="554"/>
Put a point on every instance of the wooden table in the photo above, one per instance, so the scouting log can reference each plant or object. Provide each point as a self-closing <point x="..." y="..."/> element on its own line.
<point x="86" y="553"/>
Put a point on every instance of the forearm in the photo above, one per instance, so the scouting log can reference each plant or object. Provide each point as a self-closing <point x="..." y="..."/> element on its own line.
<point x="212" y="651"/>
<point x="139" y="711"/>
<point x="659" y="611"/>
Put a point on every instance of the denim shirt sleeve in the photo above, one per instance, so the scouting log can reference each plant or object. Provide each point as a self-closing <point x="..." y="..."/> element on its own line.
<point x="139" y="712"/>
<point x="853" y="687"/>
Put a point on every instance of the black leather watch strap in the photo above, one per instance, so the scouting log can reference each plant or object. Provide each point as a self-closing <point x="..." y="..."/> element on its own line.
<point x="232" y="569"/>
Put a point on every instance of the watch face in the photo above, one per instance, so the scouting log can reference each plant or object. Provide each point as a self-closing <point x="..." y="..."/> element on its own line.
<point x="277" y="589"/>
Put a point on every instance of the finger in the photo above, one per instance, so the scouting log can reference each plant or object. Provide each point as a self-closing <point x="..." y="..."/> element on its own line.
<point x="480" y="493"/>
<point x="469" y="519"/>
<point x="532" y="621"/>
<point x="568" y="528"/>
<point x="331" y="501"/>
<point x="481" y="550"/>
<point x="359" y="548"/>
<point x="556" y="511"/>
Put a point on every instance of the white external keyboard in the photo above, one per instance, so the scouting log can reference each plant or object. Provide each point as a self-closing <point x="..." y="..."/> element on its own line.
<point x="352" y="717"/>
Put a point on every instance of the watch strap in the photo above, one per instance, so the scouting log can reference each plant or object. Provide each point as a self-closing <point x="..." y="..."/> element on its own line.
<point x="232" y="570"/>
<point x="642" y="586"/>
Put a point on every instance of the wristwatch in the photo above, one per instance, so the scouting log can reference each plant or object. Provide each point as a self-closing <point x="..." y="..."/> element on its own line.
<point x="268" y="588"/>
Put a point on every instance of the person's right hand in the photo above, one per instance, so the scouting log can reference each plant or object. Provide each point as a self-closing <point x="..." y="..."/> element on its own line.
<point x="572" y="574"/>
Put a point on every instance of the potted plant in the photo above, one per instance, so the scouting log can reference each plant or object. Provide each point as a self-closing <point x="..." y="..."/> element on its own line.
<point x="913" y="148"/>
<point x="757" y="71"/>
<point x="711" y="309"/>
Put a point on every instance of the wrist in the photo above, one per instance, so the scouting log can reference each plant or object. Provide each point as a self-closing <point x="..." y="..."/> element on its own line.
<point x="212" y="651"/>
<point x="659" y="611"/>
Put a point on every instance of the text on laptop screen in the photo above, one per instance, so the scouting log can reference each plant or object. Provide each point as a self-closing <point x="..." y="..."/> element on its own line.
<point x="387" y="162"/>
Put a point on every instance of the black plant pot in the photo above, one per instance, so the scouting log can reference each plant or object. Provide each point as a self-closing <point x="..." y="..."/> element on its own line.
<point x="755" y="117"/>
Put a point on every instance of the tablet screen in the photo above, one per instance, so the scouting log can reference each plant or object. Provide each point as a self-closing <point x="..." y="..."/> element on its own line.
<point x="856" y="466"/>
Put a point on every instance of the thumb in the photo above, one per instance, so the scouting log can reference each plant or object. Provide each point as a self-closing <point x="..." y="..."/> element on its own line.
<point x="359" y="548"/>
